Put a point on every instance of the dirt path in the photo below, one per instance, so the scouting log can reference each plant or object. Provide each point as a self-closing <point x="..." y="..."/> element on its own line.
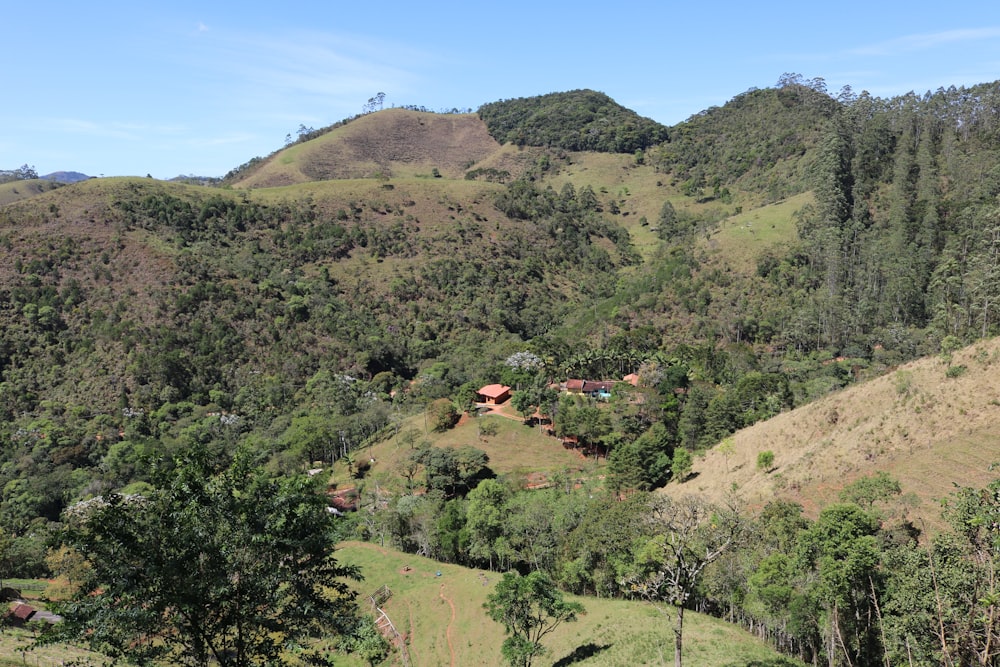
<point x="447" y="631"/>
<point x="499" y="411"/>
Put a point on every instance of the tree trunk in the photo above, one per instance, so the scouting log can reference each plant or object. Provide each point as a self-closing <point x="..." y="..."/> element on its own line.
<point x="678" y="635"/>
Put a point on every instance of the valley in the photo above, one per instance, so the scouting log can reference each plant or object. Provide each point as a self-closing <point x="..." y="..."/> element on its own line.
<point x="804" y="290"/>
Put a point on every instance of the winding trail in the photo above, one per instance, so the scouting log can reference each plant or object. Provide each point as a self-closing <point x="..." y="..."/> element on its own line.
<point x="447" y="631"/>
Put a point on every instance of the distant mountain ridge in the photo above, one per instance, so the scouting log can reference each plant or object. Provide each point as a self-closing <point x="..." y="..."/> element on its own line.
<point x="65" y="177"/>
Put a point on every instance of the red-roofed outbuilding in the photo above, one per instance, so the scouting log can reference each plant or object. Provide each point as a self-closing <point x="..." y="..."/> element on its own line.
<point x="21" y="613"/>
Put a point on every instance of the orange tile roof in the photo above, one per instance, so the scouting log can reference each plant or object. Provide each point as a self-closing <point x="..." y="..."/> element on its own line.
<point x="494" y="390"/>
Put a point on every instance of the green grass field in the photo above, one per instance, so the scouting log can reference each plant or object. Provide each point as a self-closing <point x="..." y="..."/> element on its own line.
<point x="17" y="650"/>
<point x="439" y="608"/>
<point x="742" y="238"/>
<point x="515" y="452"/>
<point x="17" y="190"/>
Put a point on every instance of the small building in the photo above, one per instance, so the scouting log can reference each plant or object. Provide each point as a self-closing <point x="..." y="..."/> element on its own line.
<point x="21" y="613"/>
<point x="494" y="394"/>
<point x="632" y="379"/>
<point x="47" y="616"/>
<point x="600" y="390"/>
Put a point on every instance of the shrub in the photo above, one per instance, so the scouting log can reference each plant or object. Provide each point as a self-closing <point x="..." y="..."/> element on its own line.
<point x="442" y="414"/>
<point x="682" y="463"/>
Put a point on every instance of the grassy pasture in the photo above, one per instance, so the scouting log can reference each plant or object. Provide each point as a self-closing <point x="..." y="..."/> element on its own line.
<point x="515" y="451"/>
<point x="443" y="617"/>
<point x="391" y="142"/>
<point x="17" y="190"/>
<point x="17" y="650"/>
<point x="742" y="238"/>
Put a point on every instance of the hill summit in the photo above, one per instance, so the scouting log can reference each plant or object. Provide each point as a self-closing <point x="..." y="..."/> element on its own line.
<point x="578" y="120"/>
<point x="65" y="177"/>
<point x="383" y="144"/>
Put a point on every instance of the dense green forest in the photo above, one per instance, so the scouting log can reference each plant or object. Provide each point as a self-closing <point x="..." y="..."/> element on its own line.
<point x="141" y="321"/>
<point x="580" y="120"/>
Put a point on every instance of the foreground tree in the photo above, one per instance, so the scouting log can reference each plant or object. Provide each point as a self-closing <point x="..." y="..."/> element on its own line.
<point x="529" y="607"/>
<point x="525" y="402"/>
<point x="688" y="535"/>
<point x="222" y="568"/>
<point x="842" y="549"/>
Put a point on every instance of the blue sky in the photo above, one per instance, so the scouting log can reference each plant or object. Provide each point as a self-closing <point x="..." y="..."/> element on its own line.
<point x="130" y="88"/>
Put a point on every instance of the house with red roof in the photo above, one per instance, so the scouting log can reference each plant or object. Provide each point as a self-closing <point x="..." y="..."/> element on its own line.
<point x="494" y="394"/>
<point x="599" y="389"/>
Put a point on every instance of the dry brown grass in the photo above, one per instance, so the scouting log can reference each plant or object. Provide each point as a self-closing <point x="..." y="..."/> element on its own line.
<point x="395" y="143"/>
<point x="928" y="430"/>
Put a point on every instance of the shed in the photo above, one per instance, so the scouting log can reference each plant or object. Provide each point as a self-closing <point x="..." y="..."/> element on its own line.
<point x="21" y="613"/>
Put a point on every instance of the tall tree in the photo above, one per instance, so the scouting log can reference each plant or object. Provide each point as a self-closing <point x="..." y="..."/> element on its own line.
<point x="211" y="567"/>
<point x="842" y="549"/>
<point x="485" y="521"/>
<point x="689" y="534"/>
<point x="525" y="402"/>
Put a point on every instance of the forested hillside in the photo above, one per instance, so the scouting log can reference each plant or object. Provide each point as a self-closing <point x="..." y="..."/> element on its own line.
<point x="357" y="288"/>
<point x="580" y="120"/>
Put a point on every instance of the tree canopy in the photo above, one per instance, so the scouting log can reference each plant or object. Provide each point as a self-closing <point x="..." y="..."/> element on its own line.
<point x="578" y="120"/>
<point x="225" y="567"/>
<point x="529" y="607"/>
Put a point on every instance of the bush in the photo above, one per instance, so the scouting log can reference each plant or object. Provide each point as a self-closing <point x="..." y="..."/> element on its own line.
<point x="682" y="463"/>
<point x="367" y="642"/>
<point x="442" y="414"/>
<point x="765" y="461"/>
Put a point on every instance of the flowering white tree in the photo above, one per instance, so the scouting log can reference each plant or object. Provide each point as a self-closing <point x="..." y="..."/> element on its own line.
<point x="524" y="361"/>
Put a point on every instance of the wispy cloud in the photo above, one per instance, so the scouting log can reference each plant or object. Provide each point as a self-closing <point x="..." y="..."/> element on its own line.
<point x="222" y="140"/>
<point x="335" y="67"/>
<point x="923" y="42"/>
<point x="110" y="130"/>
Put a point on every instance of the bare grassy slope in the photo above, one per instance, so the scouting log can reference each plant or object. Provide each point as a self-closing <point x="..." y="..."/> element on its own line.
<point x="926" y="429"/>
<point x="393" y="142"/>
<point x="17" y="190"/>
<point x="439" y="608"/>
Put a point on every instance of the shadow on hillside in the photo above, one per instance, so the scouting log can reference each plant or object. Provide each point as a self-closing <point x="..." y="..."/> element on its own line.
<point x="581" y="653"/>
